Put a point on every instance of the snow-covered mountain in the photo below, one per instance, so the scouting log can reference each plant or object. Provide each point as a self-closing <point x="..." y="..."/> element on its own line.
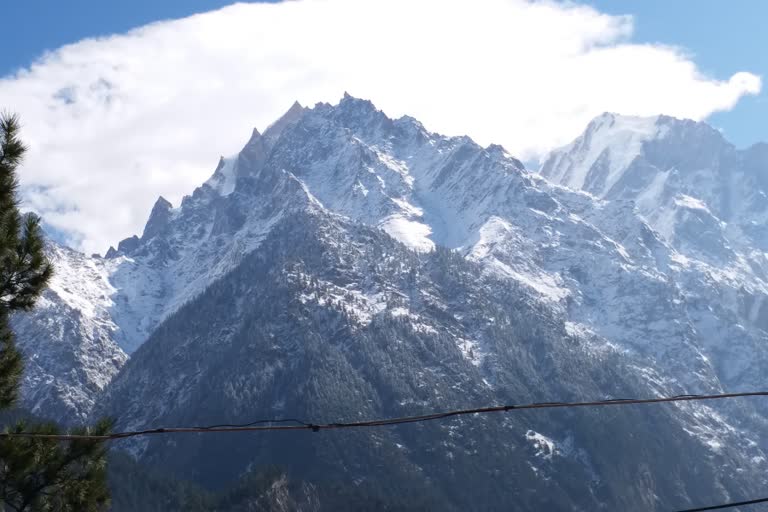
<point x="69" y="339"/>
<point x="345" y="265"/>
<point x="704" y="198"/>
<point x="707" y="198"/>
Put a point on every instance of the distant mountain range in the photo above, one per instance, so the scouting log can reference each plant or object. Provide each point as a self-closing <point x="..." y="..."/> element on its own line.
<point x="345" y="265"/>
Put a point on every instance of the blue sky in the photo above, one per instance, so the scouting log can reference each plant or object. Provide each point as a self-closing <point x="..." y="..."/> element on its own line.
<point x="154" y="109"/>
<point x="723" y="36"/>
<point x="40" y="25"/>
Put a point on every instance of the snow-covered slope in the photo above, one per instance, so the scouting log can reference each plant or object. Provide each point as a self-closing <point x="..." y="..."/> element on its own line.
<point x="69" y="338"/>
<point x="329" y="320"/>
<point x="696" y="189"/>
<point x="655" y="266"/>
<point x="596" y="161"/>
<point x="704" y="198"/>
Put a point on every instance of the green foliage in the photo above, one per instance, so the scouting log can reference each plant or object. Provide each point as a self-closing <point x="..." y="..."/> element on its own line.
<point x="24" y="268"/>
<point x="35" y="473"/>
<point x="49" y="475"/>
<point x="136" y="487"/>
<point x="11" y="364"/>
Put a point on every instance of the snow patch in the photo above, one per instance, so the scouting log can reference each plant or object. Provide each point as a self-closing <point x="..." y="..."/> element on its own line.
<point x="223" y="180"/>
<point x="412" y="233"/>
<point x="471" y="351"/>
<point x="690" y="202"/>
<point x="545" y="447"/>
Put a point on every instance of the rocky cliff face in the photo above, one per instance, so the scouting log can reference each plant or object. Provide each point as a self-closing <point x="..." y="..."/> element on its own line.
<point x="346" y="265"/>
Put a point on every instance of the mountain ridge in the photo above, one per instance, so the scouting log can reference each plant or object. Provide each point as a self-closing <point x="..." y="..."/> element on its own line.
<point x="339" y="222"/>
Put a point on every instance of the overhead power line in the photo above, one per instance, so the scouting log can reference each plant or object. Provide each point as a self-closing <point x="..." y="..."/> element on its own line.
<point x="278" y="424"/>
<point x="269" y="424"/>
<point x="726" y="505"/>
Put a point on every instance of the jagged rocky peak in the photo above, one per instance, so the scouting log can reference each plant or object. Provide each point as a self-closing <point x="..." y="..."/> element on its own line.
<point x="256" y="140"/>
<point x="127" y="245"/>
<point x="349" y="104"/>
<point x="499" y="151"/>
<point x="255" y="136"/>
<point x="223" y="179"/>
<point x="158" y="218"/>
<point x="347" y="99"/>
<point x="254" y="153"/>
<point x="355" y="113"/>
<point x="293" y="114"/>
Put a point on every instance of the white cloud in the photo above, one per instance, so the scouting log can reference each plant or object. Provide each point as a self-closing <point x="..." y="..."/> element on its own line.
<point x="114" y="122"/>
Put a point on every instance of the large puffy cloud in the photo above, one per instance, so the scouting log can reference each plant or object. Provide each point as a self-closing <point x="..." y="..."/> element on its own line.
<point x="114" y="122"/>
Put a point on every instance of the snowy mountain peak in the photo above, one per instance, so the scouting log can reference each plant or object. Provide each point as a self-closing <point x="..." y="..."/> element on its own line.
<point x="292" y="115"/>
<point x="158" y="218"/>
<point x="348" y="99"/>
<point x="255" y="136"/>
<point x="650" y="160"/>
<point x="127" y="245"/>
<point x="596" y="160"/>
<point x="352" y="111"/>
<point x="606" y="159"/>
<point x="706" y="198"/>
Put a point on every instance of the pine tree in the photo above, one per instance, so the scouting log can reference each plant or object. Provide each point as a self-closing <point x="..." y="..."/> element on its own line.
<point x="35" y="473"/>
